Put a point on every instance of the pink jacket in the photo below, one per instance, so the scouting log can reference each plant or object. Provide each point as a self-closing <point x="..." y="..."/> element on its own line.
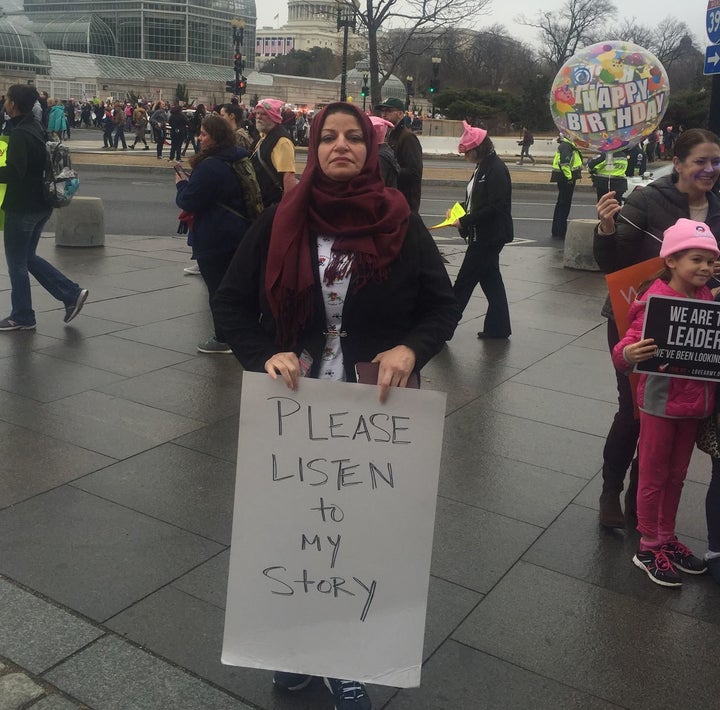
<point x="675" y="397"/>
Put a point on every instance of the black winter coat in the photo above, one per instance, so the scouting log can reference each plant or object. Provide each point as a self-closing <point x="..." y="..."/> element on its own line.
<point x="489" y="220"/>
<point x="211" y="189"/>
<point x="25" y="166"/>
<point x="415" y="306"/>
<point x="651" y="209"/>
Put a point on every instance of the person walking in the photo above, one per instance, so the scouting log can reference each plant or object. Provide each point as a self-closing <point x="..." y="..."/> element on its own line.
<point x="487" y="227"/>
<point x="670" y="407"/>
<point x="627" y="235"/>
<point x="140" y="121"/>
<point x="26" y="213"/>
<point x="158" y="122"/>
<point x="178" y="132"/>
<point x="389" y="166"/>
<point x="57" y="121"/>
<point x="340" y="272"/>
<point x="525" y="142"/>
<point x="119" y="123"/>
<point x="565" y="172"/>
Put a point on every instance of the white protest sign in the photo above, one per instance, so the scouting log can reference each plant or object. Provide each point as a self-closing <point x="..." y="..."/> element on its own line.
<point x="332" y="529"/>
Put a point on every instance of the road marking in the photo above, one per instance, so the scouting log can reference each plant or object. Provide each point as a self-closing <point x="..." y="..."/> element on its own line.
<point x="447" y="241"/>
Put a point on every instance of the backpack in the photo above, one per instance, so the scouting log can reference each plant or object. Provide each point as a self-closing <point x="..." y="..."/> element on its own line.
<point x="245" y="174"/>
<point x="60" y="181"/>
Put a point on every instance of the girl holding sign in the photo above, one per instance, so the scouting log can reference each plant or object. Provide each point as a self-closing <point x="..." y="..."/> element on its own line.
<point x="670" y="407"/>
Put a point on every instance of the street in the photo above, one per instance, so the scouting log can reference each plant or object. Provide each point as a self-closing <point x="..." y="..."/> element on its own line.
<point x="142" y="202"/>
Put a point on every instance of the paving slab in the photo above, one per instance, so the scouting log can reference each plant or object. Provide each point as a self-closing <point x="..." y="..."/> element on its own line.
<point x="35" y="634"/>
<point x="189" y="489"/>
<point x="588" y="637"/>
<point x="114" y="675"/>
<point x="462" y="677"/>
<point x="91" y="555"/>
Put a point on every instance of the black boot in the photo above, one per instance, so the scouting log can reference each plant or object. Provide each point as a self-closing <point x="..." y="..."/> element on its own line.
<point x="611" y="515"/>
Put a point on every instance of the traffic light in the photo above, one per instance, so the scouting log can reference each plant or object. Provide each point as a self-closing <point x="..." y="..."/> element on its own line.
<point x="231" y="86"/>
<point x="433" y="85"/>
<point x="364" y="91"/>
<point x="241" y="86"/>
<point x="238" y="63"/>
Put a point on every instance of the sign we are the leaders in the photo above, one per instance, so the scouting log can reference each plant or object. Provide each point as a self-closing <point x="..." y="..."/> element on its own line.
<point x="332" y="529"/>
<point x="687" y="334"/>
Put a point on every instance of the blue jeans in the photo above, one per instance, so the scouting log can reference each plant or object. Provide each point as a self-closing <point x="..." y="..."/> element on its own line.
<point x="120" y="136"/>
<point x="22" y="234"/>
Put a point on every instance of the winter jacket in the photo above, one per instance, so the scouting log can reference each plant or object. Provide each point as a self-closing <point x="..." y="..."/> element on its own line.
<point x="673" y="397"/>
<point x="652" y="210"/>
<point x="56" y="119"/>
<point x="414" y="306"/>
<point x="408" y="152"/>
<point x="25" y="166"/>
<point x="213" y="196"/>
<point x="488" y="220"/>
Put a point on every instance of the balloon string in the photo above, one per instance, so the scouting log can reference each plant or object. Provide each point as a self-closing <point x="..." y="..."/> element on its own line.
<point x="640" y="229"/>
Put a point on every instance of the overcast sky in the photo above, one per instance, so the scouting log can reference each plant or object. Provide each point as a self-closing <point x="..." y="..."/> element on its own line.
<point x="693" y="12"/>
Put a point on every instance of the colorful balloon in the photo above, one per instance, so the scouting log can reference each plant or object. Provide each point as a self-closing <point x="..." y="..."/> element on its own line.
<point x="609" y="96"/>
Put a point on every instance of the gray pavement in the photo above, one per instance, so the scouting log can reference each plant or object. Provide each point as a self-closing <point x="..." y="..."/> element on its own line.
<point x="116" y="480"/>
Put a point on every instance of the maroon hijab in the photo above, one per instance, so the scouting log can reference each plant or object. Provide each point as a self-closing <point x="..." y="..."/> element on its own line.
<point x="364" y="216"/>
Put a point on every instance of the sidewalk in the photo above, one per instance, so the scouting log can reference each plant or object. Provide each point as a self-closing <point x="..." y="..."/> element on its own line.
<point x="116" y="486"/>
<point x="87" y="149"/>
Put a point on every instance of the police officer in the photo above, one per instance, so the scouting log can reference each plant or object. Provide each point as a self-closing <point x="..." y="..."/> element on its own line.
<point x="609" y="175"/>
<point x="565" y="172"/>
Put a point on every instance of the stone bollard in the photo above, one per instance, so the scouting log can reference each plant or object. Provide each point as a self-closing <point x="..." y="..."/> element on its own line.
<point x="578" y="252"/>
<point x="81" y="223"/>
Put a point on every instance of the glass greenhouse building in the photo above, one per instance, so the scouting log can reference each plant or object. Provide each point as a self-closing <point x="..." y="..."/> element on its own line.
<point x="191" y="31"/>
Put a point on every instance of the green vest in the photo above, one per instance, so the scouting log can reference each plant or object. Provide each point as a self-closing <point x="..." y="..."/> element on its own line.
<point x="619" y="166"/>
<point x="571" y="170"/>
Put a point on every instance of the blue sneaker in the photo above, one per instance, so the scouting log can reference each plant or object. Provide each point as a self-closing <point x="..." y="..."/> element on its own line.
<point x="9" y="324"/>
<point x="291" y="681"/>
<point x="348" y="694"/>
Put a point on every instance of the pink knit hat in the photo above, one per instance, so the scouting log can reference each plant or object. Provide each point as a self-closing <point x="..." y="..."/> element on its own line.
<point x="380" y="126"/>
<point x="272" y="107"/>
<point x="688" y="234"/>
<point x="471" y="138"/>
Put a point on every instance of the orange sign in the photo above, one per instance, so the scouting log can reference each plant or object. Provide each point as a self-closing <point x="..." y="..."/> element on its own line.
<point x="623" y="287"/>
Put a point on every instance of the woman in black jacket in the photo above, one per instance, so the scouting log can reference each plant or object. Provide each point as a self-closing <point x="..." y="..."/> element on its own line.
<point x="178" y="132"/>
<point x="487" y="226"/>
<point x="626" y="236"/>
<point x="215" y="207"/>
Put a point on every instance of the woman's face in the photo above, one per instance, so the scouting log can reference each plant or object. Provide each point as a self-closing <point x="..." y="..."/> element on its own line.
<point x="205" y="139"/>
<point x="700" y="169"/>
<point x="342" y="151"/>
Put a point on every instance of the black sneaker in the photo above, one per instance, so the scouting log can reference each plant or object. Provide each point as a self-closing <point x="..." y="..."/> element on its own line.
<point x="683" y="558"/>
<point x="348" y="694"/>
<point x="72" y="310"/>
<point x="658" y="567"/>
<point x="291" y="681"/>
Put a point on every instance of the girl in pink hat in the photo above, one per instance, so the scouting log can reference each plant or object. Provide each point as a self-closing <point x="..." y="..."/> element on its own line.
<point x="487" y="227"/>
<point x="670" y="407"/>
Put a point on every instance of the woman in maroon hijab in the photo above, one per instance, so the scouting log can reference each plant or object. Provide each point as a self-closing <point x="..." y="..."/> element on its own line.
<point x="339" y="272"/>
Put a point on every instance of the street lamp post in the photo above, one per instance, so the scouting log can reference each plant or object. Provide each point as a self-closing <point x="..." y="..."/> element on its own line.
<point x="408" y="91"/>
<point x="346" y="21"/>
<point x="434" y="82"/>
<point x="364" y="88"/>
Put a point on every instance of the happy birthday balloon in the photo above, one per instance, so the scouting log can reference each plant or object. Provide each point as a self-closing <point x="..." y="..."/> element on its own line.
<point x="609" y="96"/>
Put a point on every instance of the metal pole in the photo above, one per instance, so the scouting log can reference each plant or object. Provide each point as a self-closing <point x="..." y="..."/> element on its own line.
<point x="343" y="79"/>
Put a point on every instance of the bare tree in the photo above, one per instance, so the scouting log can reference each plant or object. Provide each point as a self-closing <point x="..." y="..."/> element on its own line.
<point x="425" y="22"/>
<point x="563" y="32"/>
<point x="669" y="41"/>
